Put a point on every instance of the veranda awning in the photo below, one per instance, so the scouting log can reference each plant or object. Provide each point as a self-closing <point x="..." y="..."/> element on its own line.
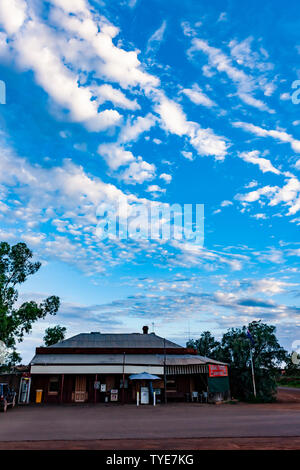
<point x="144" y="376"/>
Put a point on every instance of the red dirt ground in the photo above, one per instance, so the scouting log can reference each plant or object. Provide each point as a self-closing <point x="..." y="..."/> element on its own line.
<point x="287" y="400"/>
<point x="206" y="443"/>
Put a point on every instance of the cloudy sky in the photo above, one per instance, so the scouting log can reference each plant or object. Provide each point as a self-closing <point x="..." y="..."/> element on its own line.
<point x="186" y="102"/>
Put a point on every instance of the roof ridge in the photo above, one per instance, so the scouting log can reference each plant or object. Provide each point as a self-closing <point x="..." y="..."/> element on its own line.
<point x="107" y="340"/>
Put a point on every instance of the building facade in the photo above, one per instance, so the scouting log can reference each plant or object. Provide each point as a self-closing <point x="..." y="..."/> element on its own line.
<point x="95" y="367"/>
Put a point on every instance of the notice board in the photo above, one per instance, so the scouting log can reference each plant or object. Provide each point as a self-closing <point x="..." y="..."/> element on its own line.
<point x="216" y="370"/>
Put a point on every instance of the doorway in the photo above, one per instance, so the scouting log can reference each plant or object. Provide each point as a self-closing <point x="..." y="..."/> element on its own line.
<point x="144" y="396"/>
<point x="80" y="389"/>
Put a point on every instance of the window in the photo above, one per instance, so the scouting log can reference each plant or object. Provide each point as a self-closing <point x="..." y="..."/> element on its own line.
<point x="126" y="383"/>
<point x="53" y="386"/>
<point x="171" y="385"/>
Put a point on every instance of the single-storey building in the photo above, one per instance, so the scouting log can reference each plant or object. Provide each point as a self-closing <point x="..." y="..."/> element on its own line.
<point x="95" y="367"/>
<point x="13" y="378"/>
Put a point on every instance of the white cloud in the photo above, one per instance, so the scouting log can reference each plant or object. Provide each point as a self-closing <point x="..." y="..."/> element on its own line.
<point x="36" y="49"/>
<point x="246" y="85"/>
<point x="63" y="53"/>
<point x="70" y="181"/>
<point x="264" y="164"/>
<point x="187" y="155"/>
<point x="71" y="6"/>
<point x="253" y="196"/>
<point x="75" y="43"/>
<point x="296" y="221"/>
<point x="132" y="3"/>
<point x="203" y="140"/>
<point x="271" y="255"/>
<point x="4" y="47"/>
<point x="166" y="177"/>
<point x="115" y="64"/>
<point x="138" y="171"/>
<point x="285" y="96"/>
<point x="33" y="238"/>
<point x="289" y="195"/>
<point x="67" y="197"/>
<point x="223" y="16"/>
<point x="173" y="118"/>
<point x="155" y="40"/>
<point x="12" y="15"/>
<point x="275" y="134"/>
<point x="155" y="190"/>
<point x="269" y="286"/>
<point x="294" y="252"/>
<point x="206" y="142"/>
<point x="259" y="216"/>
<point x="132" y="130"/>
<point x="197" y="96"/>
<point x="115" y="155"/>
<point x="226" y="203"/>
<point x="192" y="255"/>
<point x="252" y="184"/>
<point x="81" y="147"/>
<point x="245" y="56"/>
<point x="297" y="164"/>
<point x="107" y="93"/>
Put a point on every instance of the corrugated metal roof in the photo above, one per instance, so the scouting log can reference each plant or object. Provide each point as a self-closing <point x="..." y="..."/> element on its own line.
<point x="95" y="359"/>
<point x="99" y="340"/>
<point x="146" y="359"/>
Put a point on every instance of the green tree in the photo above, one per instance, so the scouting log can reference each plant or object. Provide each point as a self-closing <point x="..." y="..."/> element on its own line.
<point x="54" y="334"/>
<point x="268" y="357"/>
<point x="12" y="359"/>
<point x="292" y="367"/>
<point x="16" y="321"/>
<point x="206" y="345"/>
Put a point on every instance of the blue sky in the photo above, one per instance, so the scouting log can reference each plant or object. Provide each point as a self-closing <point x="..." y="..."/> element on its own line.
<point x="186" y="102"/>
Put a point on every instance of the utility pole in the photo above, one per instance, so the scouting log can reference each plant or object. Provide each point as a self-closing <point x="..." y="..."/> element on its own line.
<point x="123" y="390"/>
<point x="252" y="369"/>
<point x="165" y="373"/>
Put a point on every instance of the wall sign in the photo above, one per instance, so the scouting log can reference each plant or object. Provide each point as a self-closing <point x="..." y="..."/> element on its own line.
<point x="217" y="370"/>
<point x="114" y="395"/>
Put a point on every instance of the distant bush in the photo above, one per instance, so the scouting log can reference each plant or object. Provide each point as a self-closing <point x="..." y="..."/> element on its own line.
<point x="291" y="381"/>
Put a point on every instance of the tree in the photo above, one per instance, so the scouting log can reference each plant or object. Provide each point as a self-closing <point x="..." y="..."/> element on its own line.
<point x="206" y="345"/>
<point x="11" y="359"/>
<point x="292" y="367"/>
<point x="15" y="321"/>
<point x="54" y="335"/>
<point x="268" y="357"/>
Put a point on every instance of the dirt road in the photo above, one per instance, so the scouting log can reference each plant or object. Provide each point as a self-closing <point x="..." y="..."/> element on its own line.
<point x="174" y="426"/>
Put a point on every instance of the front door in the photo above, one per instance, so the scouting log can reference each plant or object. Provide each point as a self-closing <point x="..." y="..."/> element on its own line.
<point x="80" y="388"/>
<point x="144" y="396"/>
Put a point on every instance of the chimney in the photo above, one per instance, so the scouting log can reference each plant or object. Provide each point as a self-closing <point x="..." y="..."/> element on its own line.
<point x="145" y="330"/>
